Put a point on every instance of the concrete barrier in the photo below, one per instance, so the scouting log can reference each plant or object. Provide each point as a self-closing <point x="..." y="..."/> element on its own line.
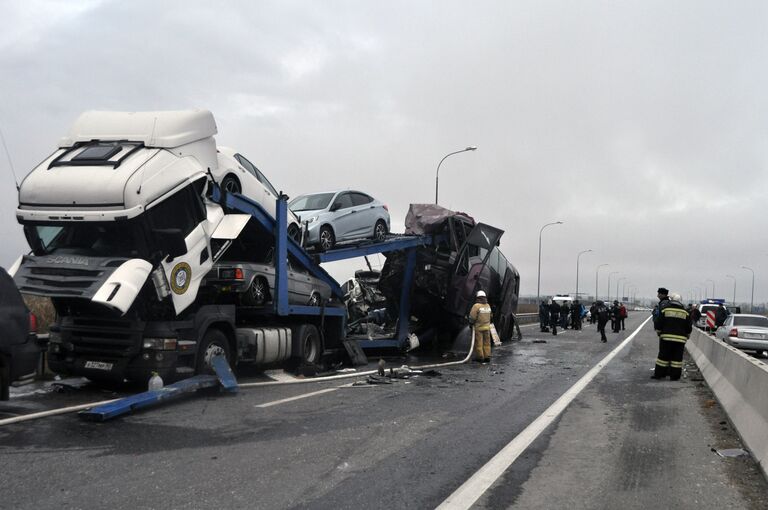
<point x="740" y="384"/>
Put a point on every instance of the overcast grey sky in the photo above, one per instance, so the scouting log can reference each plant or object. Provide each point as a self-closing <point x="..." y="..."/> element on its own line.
<point x="641" y="125"/>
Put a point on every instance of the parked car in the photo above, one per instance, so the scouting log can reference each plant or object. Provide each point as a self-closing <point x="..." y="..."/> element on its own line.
<point x="19" y="351"/>
<point x="253" y="283"/>
<point x="336" y="216"/>
<point x="236" y="174"/>
<point x="745" y="331"/>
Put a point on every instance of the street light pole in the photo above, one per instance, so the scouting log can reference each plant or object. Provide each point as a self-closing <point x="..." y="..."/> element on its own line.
<point x="597" y="270"/>
<point x="623" y="290"/>
<point x="608" y="290"/>
<point x="617" y="286"/>
<point x="577" y="270"/>
<point x="713" y="286"/>
<point x="734" y="287"/>
<point x="538" y="279"/>
<point x="437" y="174"/>
<point x="752" y="299"/>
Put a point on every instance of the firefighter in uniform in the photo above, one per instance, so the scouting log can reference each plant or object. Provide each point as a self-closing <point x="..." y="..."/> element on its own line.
<point x="673" y="325"/>
<point x="480" y="317"/>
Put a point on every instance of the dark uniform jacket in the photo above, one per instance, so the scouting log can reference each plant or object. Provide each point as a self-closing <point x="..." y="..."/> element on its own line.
<point x="673" y="323"/>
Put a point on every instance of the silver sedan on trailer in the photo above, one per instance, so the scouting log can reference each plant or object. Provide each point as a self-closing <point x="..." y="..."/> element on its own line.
<point x="337" y="216"/>
<point x="745" y="331"/>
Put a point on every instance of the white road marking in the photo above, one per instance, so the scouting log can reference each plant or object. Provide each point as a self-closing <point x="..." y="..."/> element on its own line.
<point x="303" y="395"/>
<point x="471" y="490"/>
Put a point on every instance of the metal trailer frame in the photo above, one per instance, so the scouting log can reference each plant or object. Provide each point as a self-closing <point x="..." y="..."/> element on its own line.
<point x="284" y="245"/>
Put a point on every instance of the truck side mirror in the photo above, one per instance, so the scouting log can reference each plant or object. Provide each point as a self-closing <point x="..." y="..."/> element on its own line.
<point x="171" y="241"/>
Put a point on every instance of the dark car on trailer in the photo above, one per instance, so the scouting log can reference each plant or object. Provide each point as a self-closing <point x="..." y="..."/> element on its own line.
<point x="19" y="350"/>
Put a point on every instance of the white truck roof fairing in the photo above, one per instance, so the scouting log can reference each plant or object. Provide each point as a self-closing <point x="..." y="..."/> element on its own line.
<point x="131" y="174"/>
<point x="164" y="129"/>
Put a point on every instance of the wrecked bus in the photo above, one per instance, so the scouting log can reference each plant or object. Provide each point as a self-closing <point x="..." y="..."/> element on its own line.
<point x="464" y="259"/>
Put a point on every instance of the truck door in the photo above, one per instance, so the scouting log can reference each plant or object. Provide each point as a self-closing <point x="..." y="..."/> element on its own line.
<point x="183" y="211"/>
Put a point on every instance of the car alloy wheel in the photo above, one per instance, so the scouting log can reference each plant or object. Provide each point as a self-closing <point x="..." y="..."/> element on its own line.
<point x="379" y="231"/>
<point x="327" y="239"/>
<point x="258" y="292"/>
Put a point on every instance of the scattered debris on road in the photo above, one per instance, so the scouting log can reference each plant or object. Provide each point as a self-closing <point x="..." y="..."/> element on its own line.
<point x="731" y="452"/>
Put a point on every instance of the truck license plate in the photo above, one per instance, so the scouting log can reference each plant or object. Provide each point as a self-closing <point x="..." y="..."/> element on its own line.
<point x="98" y="365"/>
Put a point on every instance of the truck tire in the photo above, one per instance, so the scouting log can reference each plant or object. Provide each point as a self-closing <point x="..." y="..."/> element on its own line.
<point x="214" y="343"/>
<point x="309" y="344"/>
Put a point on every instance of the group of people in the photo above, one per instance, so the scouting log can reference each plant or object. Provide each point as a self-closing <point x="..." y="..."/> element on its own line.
<point x="671" y="320"/>
<point x="553" y="314"/>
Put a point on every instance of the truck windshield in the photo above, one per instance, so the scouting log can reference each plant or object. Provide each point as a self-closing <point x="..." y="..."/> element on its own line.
<point x="98" y="239"/>
<point x="311" y="202"/>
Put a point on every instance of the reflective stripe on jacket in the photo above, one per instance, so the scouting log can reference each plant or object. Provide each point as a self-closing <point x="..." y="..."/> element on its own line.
<point x="673" y="323"/>
<point x="481" y="315"/>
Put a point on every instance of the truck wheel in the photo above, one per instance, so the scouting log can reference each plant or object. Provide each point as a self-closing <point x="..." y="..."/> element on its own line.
<point x="231" y="184"/>
<point x="310" y="347"/>
<point x="214" y="343"/>
<point x="257" y="293"/>
<point x="327" y="239"/>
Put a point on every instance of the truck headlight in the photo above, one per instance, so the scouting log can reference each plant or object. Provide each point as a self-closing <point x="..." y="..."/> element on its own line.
<point x="161" y="344"/>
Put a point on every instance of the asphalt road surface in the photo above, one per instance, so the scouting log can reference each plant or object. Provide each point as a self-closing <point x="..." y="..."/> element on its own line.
<point x="625" y="441"/>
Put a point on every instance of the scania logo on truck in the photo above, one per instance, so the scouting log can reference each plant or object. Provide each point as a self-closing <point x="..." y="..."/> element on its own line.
<point x="180" y="277"/>
<point x="83" y="261"/>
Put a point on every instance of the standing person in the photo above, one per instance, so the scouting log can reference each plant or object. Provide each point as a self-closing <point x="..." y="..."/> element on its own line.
<point x="480" y="317"/>
<point x="720" y="315"/>
<point x="593" y="312"/>
<point x="695" y="314"/>
<point x="622" y="314"/>
<point x="554" y="316"/>
<point x="601" y="316"/>
<point x="564" y="311"/>
<point x="576" y="310"/>
<point x="673" y="325"/>
<point x="616" y="317"/>
<point x="544" y="317"/>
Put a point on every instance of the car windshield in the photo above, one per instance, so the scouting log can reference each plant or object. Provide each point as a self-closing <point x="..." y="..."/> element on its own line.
<point x="105" y="238"/>
<point x="311" y="202"/>
<point x="751" y="321"/>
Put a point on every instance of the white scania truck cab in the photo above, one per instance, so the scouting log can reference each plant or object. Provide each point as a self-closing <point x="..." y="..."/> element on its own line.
<point x="122" y="232"/>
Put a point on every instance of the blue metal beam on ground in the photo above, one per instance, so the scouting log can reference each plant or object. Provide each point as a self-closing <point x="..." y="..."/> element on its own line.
<point x="225" y="374"/>
<point x="126" y="405"/>
<point x="399" y="243"/>
<point x="248" y="206"/>
<point x="149" y="398"/>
